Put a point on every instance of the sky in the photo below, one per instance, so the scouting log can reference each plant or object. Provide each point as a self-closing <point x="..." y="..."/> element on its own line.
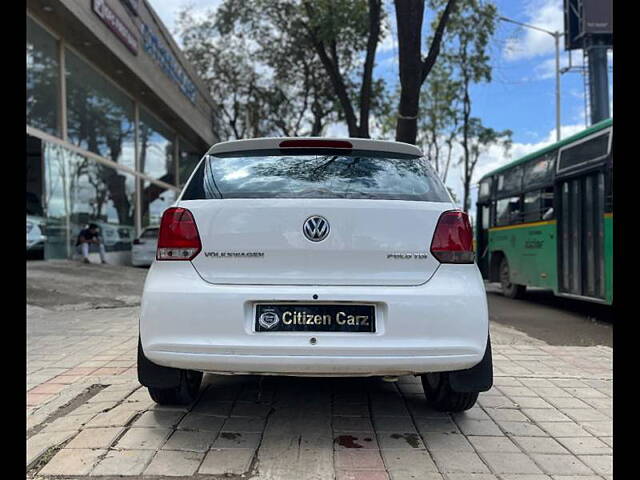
<point x="521" y="95"/>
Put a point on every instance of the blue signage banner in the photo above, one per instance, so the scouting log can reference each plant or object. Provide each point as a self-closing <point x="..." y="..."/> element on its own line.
<point x="169" y="64"/>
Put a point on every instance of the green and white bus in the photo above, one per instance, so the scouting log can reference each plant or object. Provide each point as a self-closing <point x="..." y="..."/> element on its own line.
<point x="546" y="220"/>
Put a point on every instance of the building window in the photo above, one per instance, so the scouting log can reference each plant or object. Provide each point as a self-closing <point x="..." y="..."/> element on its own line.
<point x="156" y="147"/>
<point x="79" y="191"/>
<point x="42" y="79"/>
<point x="155" y="200"/>
<point x="188" y="159"/>
<point x="99" y="115"/>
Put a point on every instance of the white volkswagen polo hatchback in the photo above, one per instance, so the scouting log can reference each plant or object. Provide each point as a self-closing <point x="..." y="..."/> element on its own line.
<point x="315" y="257"/>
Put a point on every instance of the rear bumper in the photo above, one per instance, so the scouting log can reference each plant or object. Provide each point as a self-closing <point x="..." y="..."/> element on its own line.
<point x="188" y="323"/>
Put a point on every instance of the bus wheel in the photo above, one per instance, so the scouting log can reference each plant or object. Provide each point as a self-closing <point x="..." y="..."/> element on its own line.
<point x="510" y="290"/>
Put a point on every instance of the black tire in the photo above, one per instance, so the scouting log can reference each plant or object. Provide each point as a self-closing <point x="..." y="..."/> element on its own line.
<point x="510" y="290"/>
<point x="440" y="397"/>
<point x="184" y="394"/>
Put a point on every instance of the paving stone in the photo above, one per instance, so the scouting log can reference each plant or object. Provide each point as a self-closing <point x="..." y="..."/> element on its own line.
<point x="394" y="424"/>
<point x="585" y="446"/>
<point x="203" y="423"/>
<point x="411" y="462"/>
<point x="224" y="461"/>
<point x="602" y="464"/>
<point x="123" y="462"/>
<point x="354" y="459"/>
<point x="91" y="408"/>
<point x="361" y="475"/>
<point x="72" y="462"/>
<point x="68" y="423"/>
<point x="116" y="417"/>
<point x="526" y="476"/>
<point x="250" y="409"/>
<point x="586" y="415"/>
<point x="545" y="415"/>
<point x="539" y="445"/>
<point x="524" y="429"/>
<point x="471" y="476"/>
<point x="510" y="463"/>
<point x="222" y="409"/>
<point x="564" y="429"/>
<point x="436" y="425"/>
<point x="190" y="441"/>
<point x="599" y="429"/>
<point x="499" y="401"/>
<point x="95" y="438"/>
<point x="144" y="438"/>
<point x="158" y="418"/>
<point x="174" y="463"/>
<point x="493" y="444"/>
<point x="567" y="402"/>
<point x="560" y="464"/>
<point x="355" y="440"/>
<point x="405" y="440"/>
<point x="42" y="441"/>
<point x="352" y="424"/>
<point x="237" y="440"/>
<point x="479" y="427"/>
<point x="458" y="462"/>
<point x="447" y="442"/>
<point x="244" y="424"/>
<point x="507" y="414"/>
<point x="351" y="410"/>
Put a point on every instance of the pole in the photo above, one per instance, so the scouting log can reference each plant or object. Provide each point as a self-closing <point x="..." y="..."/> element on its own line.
<point x="598" y="83"/>
<point x="556" y="36"/>
<point x="557" y="39"/>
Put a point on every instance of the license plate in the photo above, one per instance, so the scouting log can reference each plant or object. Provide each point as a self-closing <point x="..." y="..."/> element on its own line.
<point x="297" y="317"/>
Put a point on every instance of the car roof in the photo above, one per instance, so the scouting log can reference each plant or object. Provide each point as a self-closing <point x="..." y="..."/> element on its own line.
<point x="271" y="143"/>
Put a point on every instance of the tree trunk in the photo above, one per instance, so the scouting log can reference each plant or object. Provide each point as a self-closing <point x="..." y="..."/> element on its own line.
<point x="413" y="71"/>
<point x="409" y="15"/>
<point x="367" y="74"/>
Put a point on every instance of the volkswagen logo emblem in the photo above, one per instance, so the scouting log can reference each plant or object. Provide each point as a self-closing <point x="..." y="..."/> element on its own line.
<point x="316" y="228"/>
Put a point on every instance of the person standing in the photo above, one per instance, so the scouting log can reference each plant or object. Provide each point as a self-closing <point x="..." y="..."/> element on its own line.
<point x="86" y="237"/>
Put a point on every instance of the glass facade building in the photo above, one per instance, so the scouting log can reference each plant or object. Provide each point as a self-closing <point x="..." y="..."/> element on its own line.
<point x="110" y="144"/>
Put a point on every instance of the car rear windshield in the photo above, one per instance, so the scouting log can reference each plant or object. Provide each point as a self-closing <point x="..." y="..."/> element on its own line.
<point x="357" y="174"/>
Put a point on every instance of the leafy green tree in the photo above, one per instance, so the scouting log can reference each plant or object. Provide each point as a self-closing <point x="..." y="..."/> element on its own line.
<point x="479" y="140"/>
<point x="466" y="41"/>
<point x="439" y="116"/>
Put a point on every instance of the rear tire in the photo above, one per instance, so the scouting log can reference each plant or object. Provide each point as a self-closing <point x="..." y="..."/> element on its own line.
<point x="510" y="290"/>
<point x="440" y="397"/>
<point x="184" y="394"/>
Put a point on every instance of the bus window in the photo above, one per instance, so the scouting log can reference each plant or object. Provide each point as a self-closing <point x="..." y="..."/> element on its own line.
<point x="547" y="204"/>
<point x="510" y="181"/>
<point x="508" y="211"/>
<point x="540" y="170"/>
<point x="485" y="189"/>
<point x="532" y="206"/>
<point x="584" y="152"/>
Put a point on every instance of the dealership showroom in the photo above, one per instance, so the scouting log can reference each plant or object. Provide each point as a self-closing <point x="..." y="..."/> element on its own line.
<point x="116" y="121"/>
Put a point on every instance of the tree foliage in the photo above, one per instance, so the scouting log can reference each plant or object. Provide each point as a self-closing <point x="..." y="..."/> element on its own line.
<point x="287" y="67"/>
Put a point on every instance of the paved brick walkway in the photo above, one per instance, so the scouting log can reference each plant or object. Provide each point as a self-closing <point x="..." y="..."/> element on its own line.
<point x="547" y="417"/>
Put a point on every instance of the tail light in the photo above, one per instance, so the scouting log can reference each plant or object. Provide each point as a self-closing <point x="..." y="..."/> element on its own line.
<point x="453" y="239"/>
<point x="178" y="238"/>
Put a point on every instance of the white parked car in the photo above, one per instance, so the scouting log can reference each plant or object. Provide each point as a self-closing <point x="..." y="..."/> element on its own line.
<point x="315" y="257"/>
<point x="143" y="250"/>
<point x="35" y="233"/>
